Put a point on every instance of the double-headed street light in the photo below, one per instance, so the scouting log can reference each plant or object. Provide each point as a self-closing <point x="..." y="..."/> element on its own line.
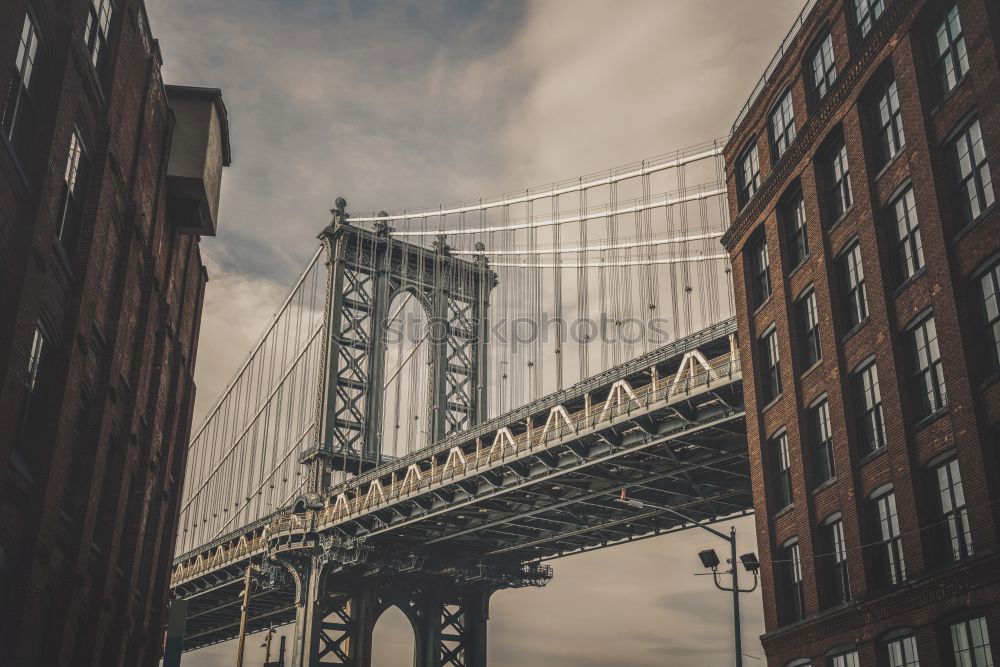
<point x="711" y="561"/>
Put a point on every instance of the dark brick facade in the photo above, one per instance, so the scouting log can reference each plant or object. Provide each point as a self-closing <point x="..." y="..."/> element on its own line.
<point x="91" y="437"/>
<point x="932" y="595"/>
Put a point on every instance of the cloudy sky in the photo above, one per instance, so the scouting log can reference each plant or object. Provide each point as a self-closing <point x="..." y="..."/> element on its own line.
<point x="400" y="104"/>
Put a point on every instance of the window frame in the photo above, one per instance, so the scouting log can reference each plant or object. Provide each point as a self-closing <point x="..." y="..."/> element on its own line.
<point x="906" y="643"/>
<point x="13" y="116"/>
<point x="781" y="471"/>
<point x="793" y="219"/>
<point x="74" y="191"/>
<point x="760" y="269"/>
<point x="951" y="524"/>
<point x="746" y="189"/>
<point x="782" y="141"/>
<point x="966" y="625"/>
<point x="869" y="415"/>
<point x="839" y="191"/>
<point x="791" y="590"/>
<point x="834" y="563"/>
<point x="925" y="408"/>
<point x="947" y="66"/>
<point x="907" y="244"/>
<point x="850" y="265"/>
<point x="989" y="323"/>
<point x="771" y="370"/>
<point x="822" y="74"/>
<point x="886" y="558"/>
<point x="866" y="22"/>
<point x="821" y="441"/>
<point x="887" y="121"/>
<point x="101" y="16"/>
<point x="807" y="327"/>
<point x="964" y="202"/>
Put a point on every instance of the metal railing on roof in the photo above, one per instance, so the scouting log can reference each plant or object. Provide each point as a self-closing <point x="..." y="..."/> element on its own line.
<point x="773" y="65"/>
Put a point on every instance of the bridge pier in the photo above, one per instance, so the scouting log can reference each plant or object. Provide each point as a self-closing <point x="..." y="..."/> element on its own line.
<point x="336" y="616"/>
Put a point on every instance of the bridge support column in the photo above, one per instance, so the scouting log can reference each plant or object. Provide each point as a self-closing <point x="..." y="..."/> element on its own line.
<point x="330" y="628"/>
<point x="454" y="629"/>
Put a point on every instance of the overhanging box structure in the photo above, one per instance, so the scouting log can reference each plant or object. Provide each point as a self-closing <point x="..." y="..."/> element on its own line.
<point x="199" y="151"/>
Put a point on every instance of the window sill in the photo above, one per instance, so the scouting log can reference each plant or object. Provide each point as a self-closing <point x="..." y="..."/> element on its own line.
<point x="774" y="401"/>
<point x="930" y="419"/>
<point x="798" y="266"/>
<point x="763" y="304"/>
<point x="871" y="456"/>
<point x="990" y="380"/>
<point x="825" y="485"/>
<point x="19" y="471"/>
<point x="943" y="102"/>
<point x="843" y="216"/>
<point x="787" y="509"/>
<point x="15" y="162"/>
<point x="888" y="165"/>
<point x="855" y="329"/>
<point x="816" y="364"/>
<point x="974" y="223"/>
<point x="903" y="286"/>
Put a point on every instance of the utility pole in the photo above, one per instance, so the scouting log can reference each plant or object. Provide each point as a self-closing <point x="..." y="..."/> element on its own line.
<point x="243" y="615"/>
<point x="710" y="560"/>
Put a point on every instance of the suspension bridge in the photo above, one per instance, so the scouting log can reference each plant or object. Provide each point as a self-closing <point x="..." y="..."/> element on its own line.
<point x="452" y="397"/>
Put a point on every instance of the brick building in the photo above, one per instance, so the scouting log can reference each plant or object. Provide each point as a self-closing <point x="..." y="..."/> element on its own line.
<point x="108" y="179"/>
<point x="865" y="230"/>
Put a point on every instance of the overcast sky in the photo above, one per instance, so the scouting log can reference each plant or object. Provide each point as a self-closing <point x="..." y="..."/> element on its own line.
<point x="403" y="104"/>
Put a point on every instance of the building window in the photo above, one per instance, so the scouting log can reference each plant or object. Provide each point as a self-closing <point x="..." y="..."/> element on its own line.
<point x="794" y="217"/>
<point x="34" y="384"/>
<point x="760" y="271"/>
<point x="989" y="285"/>
<point x="770" y="365"/>
<point x="98" y="29"/>
<point x="852" y="277"/>
<point x="952" y="536"/>
<point x="790" y="578"/>
<point x="781" y="474"/>
<point x="824" y="69"/>
<point x="74" y="180"/>
<point x="782" y="125"/>
<point x="866" y="12"/>
<point x="868" y="408"/>
<point x="822" y="441"/>
<point x="833" y="563"/>
<point x="849" y="659"/>
<point x="888" y="123"/>
<point x="749" y="173"/>
<point x="807" y="323"/>
<point x="839" y="197"/>
<point x="901" y="652"/>
<point x="885" y="549"/>
<point x="927" y="386"/>
<point x="971" y="643"/>
<point x="973" y="185"/>
<point x="951" y="60"/>
<point x="17" y="109"/>
<point x="909" y="251"/>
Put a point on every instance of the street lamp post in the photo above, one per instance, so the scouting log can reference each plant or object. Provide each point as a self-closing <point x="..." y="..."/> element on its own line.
<point x="711" y="560"/>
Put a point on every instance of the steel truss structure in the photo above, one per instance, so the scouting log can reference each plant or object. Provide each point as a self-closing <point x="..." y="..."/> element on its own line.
<point x="367" y="271"/>
<point x="437" y="532"/>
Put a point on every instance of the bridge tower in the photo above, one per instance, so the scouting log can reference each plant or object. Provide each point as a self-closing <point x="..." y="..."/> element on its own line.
<point x="336" y="605"/>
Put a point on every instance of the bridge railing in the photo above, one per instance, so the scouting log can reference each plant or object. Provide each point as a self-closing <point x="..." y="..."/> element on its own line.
<point x="621" y="400"/>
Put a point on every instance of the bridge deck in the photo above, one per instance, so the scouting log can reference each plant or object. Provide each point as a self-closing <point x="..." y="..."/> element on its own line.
<point x="536" y="484"/>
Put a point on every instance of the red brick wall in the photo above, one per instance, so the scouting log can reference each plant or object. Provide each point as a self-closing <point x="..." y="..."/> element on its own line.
<point x="925" y="601"/>
<point x="86" y="585"/>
